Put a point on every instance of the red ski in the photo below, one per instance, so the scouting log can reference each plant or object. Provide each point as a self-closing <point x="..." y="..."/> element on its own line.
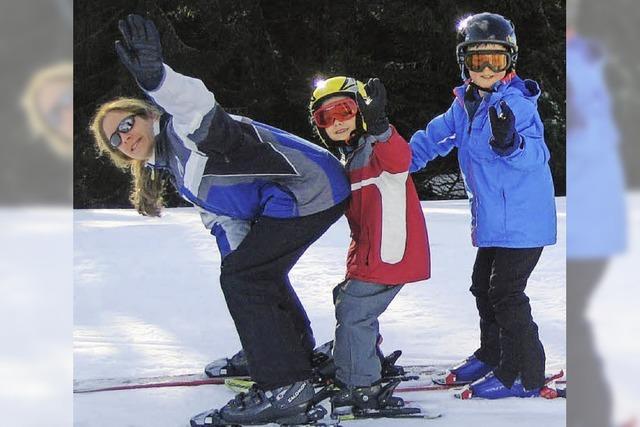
<point x="115" y="384"/>
<point x="418" y="372"/>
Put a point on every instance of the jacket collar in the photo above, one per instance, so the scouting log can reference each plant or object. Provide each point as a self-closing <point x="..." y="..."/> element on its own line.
<point x="498" y="86"/>
<point x="509" y="84"/>
<point x="156" y="159"/>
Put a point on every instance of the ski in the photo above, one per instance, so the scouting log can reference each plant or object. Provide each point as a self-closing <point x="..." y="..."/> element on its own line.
<point x="116" y="384"/>
<point x="191" y="380"/>
<point x="423" y="381"/>
<point x="406" y="412"/>
<point x="410" y="384"/>
<point x="314" y="416"/>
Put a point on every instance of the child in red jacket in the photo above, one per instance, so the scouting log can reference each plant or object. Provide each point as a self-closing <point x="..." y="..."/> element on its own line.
<point x="389" y="244"/>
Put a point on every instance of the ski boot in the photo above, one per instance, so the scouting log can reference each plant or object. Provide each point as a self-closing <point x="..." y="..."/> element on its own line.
<point x="389" y="369"/>
<point x="376" y="396"/>
<point x="375" y="401"/>
<point x="490" y="387"/>
<point x="236" y="366"/>
<point x="324" y="367"/>
<point x="372" y="397"/>
<point x="292" y="404"/>
<point x="466" y="372"/>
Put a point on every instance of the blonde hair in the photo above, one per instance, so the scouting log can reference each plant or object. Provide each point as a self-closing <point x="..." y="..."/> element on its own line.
<point x="147" y="194"/>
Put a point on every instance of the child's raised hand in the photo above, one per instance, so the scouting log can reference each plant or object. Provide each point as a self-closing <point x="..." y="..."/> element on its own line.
<point x="503" y="128"/>
<point x="141" y="51"/>
<point x="373" y="110"/>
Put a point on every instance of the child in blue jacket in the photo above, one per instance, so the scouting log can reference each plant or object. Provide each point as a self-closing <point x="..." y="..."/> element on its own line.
<point x="494" y="123"/>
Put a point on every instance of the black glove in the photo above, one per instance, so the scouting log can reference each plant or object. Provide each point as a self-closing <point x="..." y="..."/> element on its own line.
<point x="373" y="112"/>
<point x="503" y="128"/>
<point x="141" y="51"/>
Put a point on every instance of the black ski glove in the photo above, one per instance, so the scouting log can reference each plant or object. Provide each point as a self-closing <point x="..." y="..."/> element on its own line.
<point x="503" y="127"/>
<point x="141" y="51"/>
<point x="373" y="112"/>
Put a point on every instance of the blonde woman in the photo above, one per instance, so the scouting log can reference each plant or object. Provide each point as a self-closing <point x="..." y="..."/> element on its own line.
<point x="266" y="196"/>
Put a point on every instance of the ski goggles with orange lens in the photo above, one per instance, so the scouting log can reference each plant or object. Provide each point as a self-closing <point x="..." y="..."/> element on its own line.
<point x="496" y="60"/>
<point x="342" y="109"/>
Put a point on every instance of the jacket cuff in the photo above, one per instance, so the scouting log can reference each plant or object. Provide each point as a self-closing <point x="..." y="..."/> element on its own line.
<point x="511" y="150"/>
<point x="516" y="149"/>
<point x="384" y="137"/>
<point x="165" y="69"/>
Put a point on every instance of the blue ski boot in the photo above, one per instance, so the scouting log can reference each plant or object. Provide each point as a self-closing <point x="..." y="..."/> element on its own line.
<point x="490" y="387"/>
<point x="466" y="372"/>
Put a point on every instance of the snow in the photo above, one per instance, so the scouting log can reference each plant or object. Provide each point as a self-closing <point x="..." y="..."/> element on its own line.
<point x="147" y="302"/>
<point x="36" y="314"/>
<point x="613" y="310"/>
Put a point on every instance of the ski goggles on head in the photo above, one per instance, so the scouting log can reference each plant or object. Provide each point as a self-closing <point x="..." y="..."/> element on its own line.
<point x="342" y="109"/>
<point x="496" y="60"/>
<point x="124" y="126"/>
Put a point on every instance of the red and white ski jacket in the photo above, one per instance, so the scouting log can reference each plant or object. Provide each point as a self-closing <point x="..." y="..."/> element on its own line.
<point x="389" y="243"/>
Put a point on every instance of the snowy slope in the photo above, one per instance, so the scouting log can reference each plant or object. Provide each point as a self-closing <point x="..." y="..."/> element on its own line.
<point x="147" y="302"/>
<point x="613" y="311"/>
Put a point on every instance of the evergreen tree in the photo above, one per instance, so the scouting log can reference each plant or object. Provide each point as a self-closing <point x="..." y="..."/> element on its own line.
<point x="260" y="58"/>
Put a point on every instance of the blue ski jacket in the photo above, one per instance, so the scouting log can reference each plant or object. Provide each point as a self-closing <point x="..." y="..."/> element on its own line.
<point x="511" y="197"/>
<point x="235" y="169"/>
<point x="595" y="183"/>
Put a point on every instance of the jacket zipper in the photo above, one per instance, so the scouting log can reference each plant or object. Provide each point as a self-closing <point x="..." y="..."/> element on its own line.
<point x="474" y="114"/>
<point x="504" y="205"/>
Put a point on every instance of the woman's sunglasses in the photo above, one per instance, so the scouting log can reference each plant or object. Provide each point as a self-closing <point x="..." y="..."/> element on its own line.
<point x="124" y="126"/>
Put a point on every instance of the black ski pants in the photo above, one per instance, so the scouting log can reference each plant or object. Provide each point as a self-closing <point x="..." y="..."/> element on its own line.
<point x="508" y="335"/>
<point x="274" y="329"/>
